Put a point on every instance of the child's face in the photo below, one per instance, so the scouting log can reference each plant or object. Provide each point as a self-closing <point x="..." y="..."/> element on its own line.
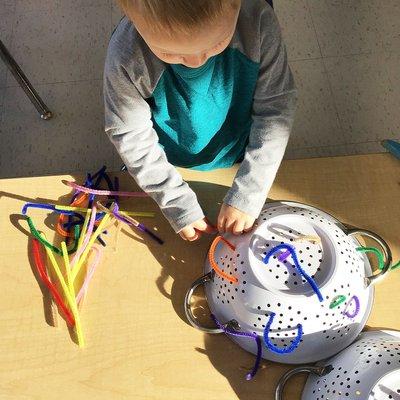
<point x="190" y="49"/>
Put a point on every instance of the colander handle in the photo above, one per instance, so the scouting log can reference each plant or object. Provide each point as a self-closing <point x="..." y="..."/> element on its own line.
<point x="188" y="309"/>
<point x="282" y="382"/>
<point x="371" y="280"/>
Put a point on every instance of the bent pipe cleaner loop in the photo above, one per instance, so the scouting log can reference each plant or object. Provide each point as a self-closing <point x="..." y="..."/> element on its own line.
<point x="51" y="207"/>
<point x="230" y="331"/>
<point x="50" y="285"/>
<point x="356" y="301"/>
<point x="292" y="251"/>
<point x="130" y="221"/>
<point x="46" y="243"/>
<point x="379" y="255"/>
<point x="214" y="265"/>
<point x="306" y="238"/>
<point x="336" y="301"/>
<point x="276" y="349"/>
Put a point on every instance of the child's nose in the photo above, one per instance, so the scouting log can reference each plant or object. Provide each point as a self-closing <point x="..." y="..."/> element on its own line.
<point x="195" y="61"/>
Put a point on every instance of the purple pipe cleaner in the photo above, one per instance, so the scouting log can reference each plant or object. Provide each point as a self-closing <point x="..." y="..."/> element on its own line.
<point x="233" y="332"/>
<point x="356" y="311"/>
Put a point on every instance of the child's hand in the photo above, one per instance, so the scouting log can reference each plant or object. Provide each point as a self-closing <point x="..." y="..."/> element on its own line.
<point x="193" y="231"/>
<point x="230" y="219"/>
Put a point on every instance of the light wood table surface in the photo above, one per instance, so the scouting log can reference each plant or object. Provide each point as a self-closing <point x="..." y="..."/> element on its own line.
<point x="138" y="344"/>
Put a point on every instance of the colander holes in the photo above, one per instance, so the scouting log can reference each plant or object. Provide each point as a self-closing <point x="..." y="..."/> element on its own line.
<point x="244" y="272"/>
<point x="243" y="291"/>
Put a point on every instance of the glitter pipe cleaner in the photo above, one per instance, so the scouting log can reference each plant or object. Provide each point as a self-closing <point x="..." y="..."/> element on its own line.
<point x="46" y="243"/>
<point x="307" y="238"/>
<point x="89" y="275"/>
<point x="81" y="260"/>
<point x="74" y="306"/>
<point x="336" y="301"/>
<point x="52" y="288"/>
<point x="130" y="221"/>
<point x="101" y="214"/>
<point x="297" y="265"/>
<point x="214" y="265"/>
<point x="356" y="301"/>
<point x="276" y="349"/>
<point x="104" y="192"/>
<point x="233" y="332"/>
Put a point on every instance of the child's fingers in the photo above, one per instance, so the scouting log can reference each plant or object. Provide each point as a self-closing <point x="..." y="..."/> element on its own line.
<point x="221" y="224"/>
<point x="189" y="233"/>
<point x="248" y="226"/>
<point x="238" y="227"/>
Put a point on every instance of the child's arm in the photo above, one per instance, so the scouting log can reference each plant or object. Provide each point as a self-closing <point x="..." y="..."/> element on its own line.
<point x="273" y="112"/>
<point x="129" y="127"/>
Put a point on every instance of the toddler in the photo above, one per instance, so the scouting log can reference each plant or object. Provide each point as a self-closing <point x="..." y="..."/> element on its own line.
<point x="199" y="84"/>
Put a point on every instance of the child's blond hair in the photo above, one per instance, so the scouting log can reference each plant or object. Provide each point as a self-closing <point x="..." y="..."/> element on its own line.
<point x="179" y="15"/>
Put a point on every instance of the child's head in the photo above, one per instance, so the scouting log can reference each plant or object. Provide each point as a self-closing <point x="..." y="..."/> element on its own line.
<point x="184" y="31"/>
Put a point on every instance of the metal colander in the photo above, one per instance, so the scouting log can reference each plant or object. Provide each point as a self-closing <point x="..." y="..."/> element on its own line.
<point x="369" y="369"/>
<point x="302" y="315"/>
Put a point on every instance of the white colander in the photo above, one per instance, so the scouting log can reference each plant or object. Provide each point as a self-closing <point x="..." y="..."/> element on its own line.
<point x="274" y="301"/>
<point x="369" y="369"/>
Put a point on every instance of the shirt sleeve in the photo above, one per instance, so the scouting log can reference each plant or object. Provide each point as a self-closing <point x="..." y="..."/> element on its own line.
<point x="129" y="126"/>
<point x="273" y="113"/>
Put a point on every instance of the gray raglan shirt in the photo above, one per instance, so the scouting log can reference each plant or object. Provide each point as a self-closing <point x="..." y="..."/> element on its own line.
<point x="241" y="103"/>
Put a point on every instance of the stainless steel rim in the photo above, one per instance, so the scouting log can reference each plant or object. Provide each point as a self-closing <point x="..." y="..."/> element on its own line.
<point x="188" y="309"/>
<point x="309" y="369"/>
<point x="371" y="280"/>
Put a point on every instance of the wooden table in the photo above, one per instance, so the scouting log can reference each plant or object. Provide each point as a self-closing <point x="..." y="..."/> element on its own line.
<point x="139" y="345"/>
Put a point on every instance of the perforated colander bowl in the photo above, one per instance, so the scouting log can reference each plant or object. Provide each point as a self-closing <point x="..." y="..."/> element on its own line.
<point x="369" y="369"/>
<point x="302" y="315"/>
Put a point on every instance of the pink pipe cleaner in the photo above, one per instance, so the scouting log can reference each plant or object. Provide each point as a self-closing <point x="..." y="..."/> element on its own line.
<point x="103" y="192"/>
<point x="90" y="274"/>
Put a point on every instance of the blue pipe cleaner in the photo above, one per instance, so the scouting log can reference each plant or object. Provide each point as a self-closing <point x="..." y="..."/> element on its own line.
<point x="276" y="349"/>
<point x="292" y="251"/>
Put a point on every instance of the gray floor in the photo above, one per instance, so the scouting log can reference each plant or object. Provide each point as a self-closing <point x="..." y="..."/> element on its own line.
<point x="345" y="55"/>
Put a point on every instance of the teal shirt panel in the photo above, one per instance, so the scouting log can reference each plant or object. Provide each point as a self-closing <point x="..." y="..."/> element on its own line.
<point x="203" y="115"/>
